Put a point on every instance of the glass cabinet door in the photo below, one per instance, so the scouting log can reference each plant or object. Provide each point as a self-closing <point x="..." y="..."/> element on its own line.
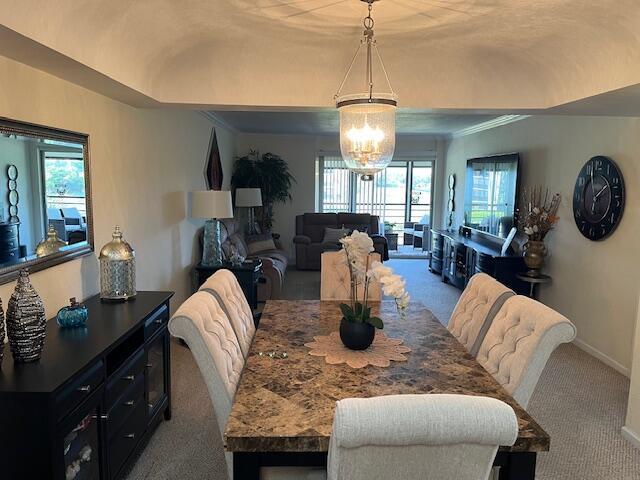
<point x="81" y="448"/>
<point x="156" y="359"/>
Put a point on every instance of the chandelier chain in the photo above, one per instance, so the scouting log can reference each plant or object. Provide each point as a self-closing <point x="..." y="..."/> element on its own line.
<point x="371" y="44"/>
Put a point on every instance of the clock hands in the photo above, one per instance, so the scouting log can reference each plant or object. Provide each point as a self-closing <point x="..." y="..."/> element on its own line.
<point x="596" y="196"/>
<point x="601" y="191"/>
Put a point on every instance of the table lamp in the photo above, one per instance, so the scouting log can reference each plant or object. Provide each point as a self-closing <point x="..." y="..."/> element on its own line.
<point x="249" y="197"/>
<point x="211" y="205"/>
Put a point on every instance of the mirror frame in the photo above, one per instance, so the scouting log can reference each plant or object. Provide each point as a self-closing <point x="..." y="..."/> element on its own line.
<point x="14" y="127"/>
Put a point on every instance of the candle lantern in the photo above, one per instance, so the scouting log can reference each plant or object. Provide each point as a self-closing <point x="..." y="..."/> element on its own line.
<point x="117" y="270"/>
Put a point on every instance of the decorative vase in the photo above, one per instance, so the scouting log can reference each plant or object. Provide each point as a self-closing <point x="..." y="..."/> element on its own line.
<point x="50" y="245"/>
<point x="26" y="321"/>
<point x="534" y="253"/>
<point x="356" y="336"/>
<point x="75" y="315"/>
<point x="2" y="333"/>
<point x="117" y="270"/>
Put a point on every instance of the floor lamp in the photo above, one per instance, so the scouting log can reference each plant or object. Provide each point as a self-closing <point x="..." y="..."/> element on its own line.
<point x="249" y="198"/>
<point x="211" y="205"/>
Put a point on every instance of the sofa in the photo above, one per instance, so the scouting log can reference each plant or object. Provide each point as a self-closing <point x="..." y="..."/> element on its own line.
<point x="310" y="231"/>
<point x="274" y="260"/>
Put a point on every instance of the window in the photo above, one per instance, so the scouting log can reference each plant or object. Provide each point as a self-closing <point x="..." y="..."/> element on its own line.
<point x="400" y="193"/>
<point x="64" y="181"/>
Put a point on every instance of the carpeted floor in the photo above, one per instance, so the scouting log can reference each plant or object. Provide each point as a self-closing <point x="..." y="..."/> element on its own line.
<point x="580" y="401"/>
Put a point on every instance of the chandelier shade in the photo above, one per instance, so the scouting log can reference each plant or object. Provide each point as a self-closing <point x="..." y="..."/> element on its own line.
<point x="367" y="119"/>
<point x="367" y="134"/>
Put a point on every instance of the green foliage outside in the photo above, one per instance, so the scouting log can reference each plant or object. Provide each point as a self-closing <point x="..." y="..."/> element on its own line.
<point x="64" y="177"/>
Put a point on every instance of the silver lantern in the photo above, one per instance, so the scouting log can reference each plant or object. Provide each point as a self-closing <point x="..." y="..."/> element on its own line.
<point x="117" y="270"/>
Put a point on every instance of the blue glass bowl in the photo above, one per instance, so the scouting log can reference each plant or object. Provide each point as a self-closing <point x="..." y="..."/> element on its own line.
<point x="75" y="315"/>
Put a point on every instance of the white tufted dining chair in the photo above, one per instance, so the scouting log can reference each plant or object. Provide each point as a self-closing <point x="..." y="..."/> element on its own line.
<point x="412" y="437"/>
<point x="203" y="325"/>
<point x="224" y="286"/>
<point x="426" y="437"/>
<point x="519" y="342"/>
<point x="334" y="278"/>
<point x="476" y="309"/>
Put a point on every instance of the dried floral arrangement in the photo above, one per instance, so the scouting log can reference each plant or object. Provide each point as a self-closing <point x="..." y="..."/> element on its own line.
<point x="539" y="212"/>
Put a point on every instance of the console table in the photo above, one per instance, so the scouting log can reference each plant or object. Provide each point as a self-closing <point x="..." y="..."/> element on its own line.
<point x="458" y="258"/>
<point x="88" y="406"/>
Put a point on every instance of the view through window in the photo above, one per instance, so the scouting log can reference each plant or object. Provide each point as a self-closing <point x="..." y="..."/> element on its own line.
<point x="64" y="182"/>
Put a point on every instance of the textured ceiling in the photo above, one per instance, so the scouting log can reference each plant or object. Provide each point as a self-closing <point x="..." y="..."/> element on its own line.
<point x="283" y="54"/>
<point x="326" y="122"/>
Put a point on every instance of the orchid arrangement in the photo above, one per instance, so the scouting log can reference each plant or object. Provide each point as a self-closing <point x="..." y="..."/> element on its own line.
<point x="539" y="213"/>
<point x="357" y="247"/>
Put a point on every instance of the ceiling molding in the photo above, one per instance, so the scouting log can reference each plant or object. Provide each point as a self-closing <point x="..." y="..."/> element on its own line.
<point x="217" y="121"/>
<point x="488" y="125"/>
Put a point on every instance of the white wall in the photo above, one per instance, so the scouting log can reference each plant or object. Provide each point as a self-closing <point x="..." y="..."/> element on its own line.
<point x="142" y="164"/>
<point x="595" y="284"/>
<point x="301" y="152"/>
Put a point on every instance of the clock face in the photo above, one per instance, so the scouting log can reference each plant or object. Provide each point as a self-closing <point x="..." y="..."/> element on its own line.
<point x="598" y="198"/>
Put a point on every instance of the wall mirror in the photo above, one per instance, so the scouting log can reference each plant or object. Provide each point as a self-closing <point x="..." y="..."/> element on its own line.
<point x="45" y="201"/>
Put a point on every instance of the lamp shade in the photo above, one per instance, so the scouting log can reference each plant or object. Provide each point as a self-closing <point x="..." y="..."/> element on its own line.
<point x="211" y="204"/>
<point x="248" y="197"/>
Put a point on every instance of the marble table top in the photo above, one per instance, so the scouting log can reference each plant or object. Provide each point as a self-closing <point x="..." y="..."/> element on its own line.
<point x="287" y="404"/>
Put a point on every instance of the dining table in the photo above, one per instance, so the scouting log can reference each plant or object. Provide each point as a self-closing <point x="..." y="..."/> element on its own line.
<point x="282" y="413"/>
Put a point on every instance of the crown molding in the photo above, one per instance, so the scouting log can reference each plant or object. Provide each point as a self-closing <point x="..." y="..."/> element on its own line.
<point x="488" y="125"/>
<point x="217" y="121"/>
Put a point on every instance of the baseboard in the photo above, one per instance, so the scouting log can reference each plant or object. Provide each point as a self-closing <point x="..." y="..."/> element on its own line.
<point x="607" y="360"/>
<point x="630" y="436"/>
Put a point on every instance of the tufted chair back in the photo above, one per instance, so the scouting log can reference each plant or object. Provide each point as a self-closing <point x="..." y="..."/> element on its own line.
<point x="414" y="437"/>
<point x="334" y="278"/>
<point x="224" y="286"/>
<point x="475" y="310"/>
<point x="519" y="342"/>
<point x="202" y="324"/>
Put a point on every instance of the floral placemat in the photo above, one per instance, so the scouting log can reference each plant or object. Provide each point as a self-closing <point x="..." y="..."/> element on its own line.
<point x="380" y="354"/>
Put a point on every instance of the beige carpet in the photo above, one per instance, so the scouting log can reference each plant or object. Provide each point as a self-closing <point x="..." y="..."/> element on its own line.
<point x="579" y="401"/>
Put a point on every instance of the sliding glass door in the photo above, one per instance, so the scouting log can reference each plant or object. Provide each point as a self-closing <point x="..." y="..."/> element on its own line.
<point x="400" y="193"/>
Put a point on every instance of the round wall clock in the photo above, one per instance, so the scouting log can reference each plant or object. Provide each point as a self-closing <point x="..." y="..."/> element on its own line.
<point x="598" y="198"/>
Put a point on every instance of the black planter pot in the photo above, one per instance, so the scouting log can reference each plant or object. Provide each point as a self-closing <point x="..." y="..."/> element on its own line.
<point x="356" y="336"/>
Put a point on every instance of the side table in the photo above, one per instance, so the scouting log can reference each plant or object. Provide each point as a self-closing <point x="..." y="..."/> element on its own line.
<point x="533" y="282"/>
<point x="248" y="275"/>
<point x="392" y="240"/>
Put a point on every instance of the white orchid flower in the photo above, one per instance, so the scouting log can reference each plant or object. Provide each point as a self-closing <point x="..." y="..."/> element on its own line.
<point x="357" y="247"/>
<point x="378" y="270"/>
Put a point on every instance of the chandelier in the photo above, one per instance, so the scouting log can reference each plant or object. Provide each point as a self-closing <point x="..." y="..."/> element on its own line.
<point x="368" y="118"/>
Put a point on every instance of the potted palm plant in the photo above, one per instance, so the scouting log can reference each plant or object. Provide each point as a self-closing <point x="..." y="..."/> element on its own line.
<point x="268" y="172"/>
<point x="357" y="327"/>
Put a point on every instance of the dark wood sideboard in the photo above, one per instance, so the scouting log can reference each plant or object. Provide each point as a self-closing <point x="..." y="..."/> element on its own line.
<point x="9" y="242"/>
<point x="458" y="258"/>
<point x="94" y="398"/>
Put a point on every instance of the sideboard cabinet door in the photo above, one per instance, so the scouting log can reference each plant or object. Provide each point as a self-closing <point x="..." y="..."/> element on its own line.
<point x="80" y="442"/>
<point x="157" y="373"/>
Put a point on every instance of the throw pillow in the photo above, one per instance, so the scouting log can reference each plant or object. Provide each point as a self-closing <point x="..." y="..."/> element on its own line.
<point x="239" y="243"/>
<point x="260" y="243"/>
<point x="333" y="235"/>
